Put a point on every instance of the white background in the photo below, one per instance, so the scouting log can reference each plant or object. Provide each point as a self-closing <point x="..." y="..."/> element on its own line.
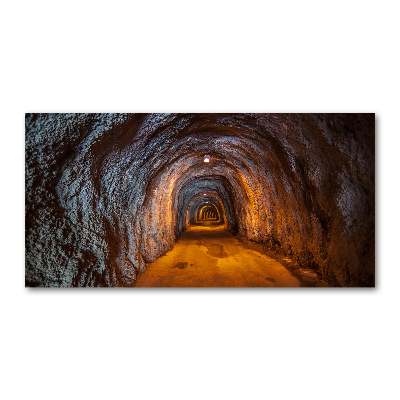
<point x="168" y="56"/>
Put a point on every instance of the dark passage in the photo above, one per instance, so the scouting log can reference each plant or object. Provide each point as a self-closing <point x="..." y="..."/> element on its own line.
<point x="200" y="200"/>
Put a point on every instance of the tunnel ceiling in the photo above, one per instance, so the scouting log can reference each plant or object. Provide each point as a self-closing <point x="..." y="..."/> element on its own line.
<point x="107" y="193"/>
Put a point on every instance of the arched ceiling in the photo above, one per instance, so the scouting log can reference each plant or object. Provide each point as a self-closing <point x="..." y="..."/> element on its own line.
<point x="116" y="189"/>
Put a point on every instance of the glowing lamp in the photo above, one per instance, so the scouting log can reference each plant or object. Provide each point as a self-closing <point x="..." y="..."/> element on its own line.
<point x="206" y="159"/>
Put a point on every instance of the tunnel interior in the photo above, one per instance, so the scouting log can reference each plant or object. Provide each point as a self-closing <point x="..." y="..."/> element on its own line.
<point x="207" y="212"/>
<point x="107" y="194"/>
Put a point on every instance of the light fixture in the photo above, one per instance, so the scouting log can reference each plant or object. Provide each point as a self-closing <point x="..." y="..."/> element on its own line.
<point x="206" y="159"/>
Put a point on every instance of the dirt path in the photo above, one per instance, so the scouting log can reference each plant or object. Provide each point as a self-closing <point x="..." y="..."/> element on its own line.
<point x="212" y="257"/>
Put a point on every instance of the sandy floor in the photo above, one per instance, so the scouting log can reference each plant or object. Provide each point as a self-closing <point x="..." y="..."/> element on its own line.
<point x="207" y="256"/>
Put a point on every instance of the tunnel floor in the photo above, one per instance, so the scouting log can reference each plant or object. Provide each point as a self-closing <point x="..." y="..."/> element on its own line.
<point x="210" y="256"/>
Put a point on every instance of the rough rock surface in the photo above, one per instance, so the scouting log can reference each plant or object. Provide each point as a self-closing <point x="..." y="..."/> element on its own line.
<point x="107" y="193"/>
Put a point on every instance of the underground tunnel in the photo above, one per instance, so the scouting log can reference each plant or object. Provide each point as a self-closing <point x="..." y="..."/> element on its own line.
<point x="122" y="200"/>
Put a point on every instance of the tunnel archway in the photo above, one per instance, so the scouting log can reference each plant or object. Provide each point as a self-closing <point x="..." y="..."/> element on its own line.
<point x="117" y="190"/>
<point x="211" y="200"/>
<point x="207" y="212"/>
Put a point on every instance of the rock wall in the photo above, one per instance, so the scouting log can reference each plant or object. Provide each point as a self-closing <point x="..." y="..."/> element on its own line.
<point x="107" y="193"/>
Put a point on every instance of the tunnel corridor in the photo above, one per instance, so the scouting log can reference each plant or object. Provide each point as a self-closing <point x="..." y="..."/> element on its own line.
<point x="207" y="255"/>
<point x="121" y="200"/>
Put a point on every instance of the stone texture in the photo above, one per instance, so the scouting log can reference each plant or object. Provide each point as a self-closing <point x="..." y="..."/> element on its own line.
<point x="108" y="193"/>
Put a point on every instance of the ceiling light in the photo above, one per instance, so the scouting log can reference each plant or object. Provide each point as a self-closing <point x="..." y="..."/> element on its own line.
<point x="206" y="158"/>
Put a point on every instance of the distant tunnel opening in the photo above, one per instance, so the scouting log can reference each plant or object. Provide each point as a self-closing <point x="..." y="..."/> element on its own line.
<point x="207" y="213"/>
<point x="108" y="193"/>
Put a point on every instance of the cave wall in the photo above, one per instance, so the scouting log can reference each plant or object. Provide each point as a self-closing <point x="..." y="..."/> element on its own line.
<point x="107" y="193"/>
